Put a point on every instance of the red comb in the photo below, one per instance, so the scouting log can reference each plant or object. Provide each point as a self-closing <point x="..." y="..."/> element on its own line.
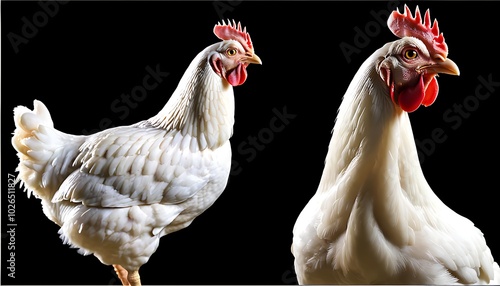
<point x="406" y="25"/>
<point x="233" y="32"/>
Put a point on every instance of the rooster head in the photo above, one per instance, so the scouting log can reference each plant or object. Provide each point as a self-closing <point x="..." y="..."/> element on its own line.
<point x="411" y="64"/>
<point x="234" y="53"/>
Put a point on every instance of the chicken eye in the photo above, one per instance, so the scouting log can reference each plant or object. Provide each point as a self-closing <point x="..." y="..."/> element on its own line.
<point x="411" y="54"/>
<point x="231" y="52"/>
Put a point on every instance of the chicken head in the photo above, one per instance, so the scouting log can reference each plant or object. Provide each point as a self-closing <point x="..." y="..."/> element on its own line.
<point x="234" y="54"/>
<point x="410" y="67"/>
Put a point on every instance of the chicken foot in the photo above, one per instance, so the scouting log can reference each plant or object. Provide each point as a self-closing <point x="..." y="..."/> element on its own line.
<point x="127" y="279"/>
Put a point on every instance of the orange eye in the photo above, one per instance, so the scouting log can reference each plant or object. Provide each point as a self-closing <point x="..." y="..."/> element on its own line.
<point x="231" y="52"/>
<point x="411" y="54"/>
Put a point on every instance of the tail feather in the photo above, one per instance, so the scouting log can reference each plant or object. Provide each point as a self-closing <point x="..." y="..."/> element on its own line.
<point x="45" y="154"/>
<point x="496" y="278"/>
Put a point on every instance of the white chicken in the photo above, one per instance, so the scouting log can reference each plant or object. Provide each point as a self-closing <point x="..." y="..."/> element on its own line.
<point x="115" y="193"/>
<point x="374" y="219"/>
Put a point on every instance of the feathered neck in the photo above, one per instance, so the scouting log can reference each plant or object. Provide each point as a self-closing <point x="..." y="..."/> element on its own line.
<point x="364" y="118"/>
<point x="201" y="106"/>
<point x="371" y="169"/>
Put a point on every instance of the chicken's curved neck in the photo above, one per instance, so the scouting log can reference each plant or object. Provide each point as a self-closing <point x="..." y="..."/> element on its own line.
<point x="201" y="106"/>
<point x="366" y="170"/>
<point x="366" y="127"/>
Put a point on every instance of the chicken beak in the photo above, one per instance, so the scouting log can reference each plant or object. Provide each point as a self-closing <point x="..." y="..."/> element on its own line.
<point x="445" y="66"/>
<point x="252" y="59"/>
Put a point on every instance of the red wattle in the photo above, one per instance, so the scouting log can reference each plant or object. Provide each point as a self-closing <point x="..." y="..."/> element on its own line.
<point x="431" y="92"/>
<point x="237" y="76"/>
<point x="411" y="98"/>
<point x="392" y="92"/>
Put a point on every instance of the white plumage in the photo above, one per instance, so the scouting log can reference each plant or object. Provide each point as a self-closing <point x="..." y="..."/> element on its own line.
<point x="115" y="193"/>
<point x="374" y="219"/>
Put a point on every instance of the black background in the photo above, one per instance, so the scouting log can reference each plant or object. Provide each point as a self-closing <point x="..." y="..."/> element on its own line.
<point x="89" y="53"/>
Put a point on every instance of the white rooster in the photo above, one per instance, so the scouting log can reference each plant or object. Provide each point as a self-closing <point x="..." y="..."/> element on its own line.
<point x="374" y="219"/>
<point x="115" y="193"/>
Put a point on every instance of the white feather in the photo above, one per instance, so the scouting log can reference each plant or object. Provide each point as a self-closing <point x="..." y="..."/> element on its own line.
<point x="116" y="192"/>
<point x="374" y="219"/>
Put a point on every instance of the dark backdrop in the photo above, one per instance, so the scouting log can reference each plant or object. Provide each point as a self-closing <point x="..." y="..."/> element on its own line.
<point x="79" y="57"/>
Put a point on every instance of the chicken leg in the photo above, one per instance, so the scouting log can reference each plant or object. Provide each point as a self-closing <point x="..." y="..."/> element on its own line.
<point x="127" y="278"/>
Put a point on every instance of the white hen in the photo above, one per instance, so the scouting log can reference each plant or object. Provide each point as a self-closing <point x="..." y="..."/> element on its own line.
<point x="115" y="193"/>
<point x="374" y="218"/>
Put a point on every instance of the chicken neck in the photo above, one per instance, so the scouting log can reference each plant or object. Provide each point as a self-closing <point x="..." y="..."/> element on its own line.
<point x="366" y="173"/>
<point x="202" y="105"/>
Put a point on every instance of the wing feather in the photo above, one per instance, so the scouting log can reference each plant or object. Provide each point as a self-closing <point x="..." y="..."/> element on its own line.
<point x="460" y="246"/>
<point x="135" y="166"/>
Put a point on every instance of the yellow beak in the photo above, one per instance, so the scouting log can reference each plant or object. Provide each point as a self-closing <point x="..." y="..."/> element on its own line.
<point x="252" y="59"/>
<point x="447" y="66"/>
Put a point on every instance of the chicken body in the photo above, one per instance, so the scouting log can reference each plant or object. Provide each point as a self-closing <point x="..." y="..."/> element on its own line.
<point x="374" y="219"/>
<point x="115" y="193"/>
